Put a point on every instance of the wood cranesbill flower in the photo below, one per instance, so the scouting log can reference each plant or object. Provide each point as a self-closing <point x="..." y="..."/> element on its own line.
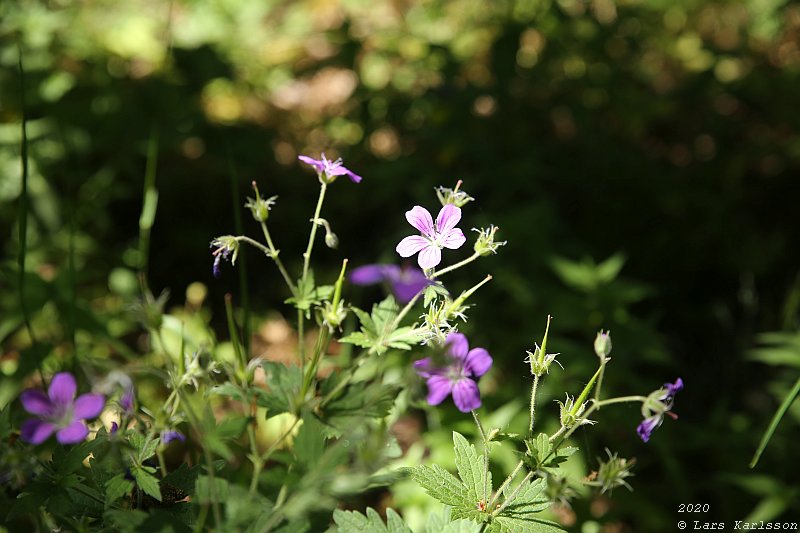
<point x="330" y="169"/>
<point x="658" y="404"/>
<point x="405" y="282"/>
<point x="59" y="411"/>
<point x="458" y="377"/>
<point x="444" y="234"/>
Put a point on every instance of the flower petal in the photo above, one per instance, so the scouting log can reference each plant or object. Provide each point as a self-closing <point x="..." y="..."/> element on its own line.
<point x="36" y="431"/>
<point x="36" y="402"/>
<point x="429" y="257"/>
<point x="448" y="217"/>
<point x="453" y="239"/>
<point x="466" y="395"/>
<point x="478" y="362"/>
<point x="439" y="388"/>
<point x="457" y="345"/>
<point x="420" y="218"/>
<point x="62" y="389"/>
<point x="355" y="178"/>
<point x="411" y="245"/>
<point x="73" y="433"/>
<point x="424" y="367"/>
<point x="371" y="274"/>
<point x="90" y="406"/>
<point x="646" y="428"/>
<point x="316" y="163"/>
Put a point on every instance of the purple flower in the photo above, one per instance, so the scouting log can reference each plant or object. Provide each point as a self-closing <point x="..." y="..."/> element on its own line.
<point x="169" y="436"/>
<point x="459" y="376"/>
<point x="429" y="245"/>
<point x="126" y="401"/>
<point x="59" y="411"/>
<point x="331" y="169"/>
<point x="405" y="282"/>
<point x="225" y="248"/>
<point x="647" y="427"/>
<point x="655" y="406"/>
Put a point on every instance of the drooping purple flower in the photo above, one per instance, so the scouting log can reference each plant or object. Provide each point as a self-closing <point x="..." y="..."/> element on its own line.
<point x="169" y="436"/>
<point x="405" y="282"/>
<point x="225" y="248"/>
<point x="59" y="411"/>
<point x="655" y="406"/>
<point x="647" y="426"/>
<point x="434" y="237"/>
<point x="331" y="169"/>
<point x="464" y="367"/>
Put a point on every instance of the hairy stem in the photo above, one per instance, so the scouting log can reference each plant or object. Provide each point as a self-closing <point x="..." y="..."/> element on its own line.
<point x="508" y="480"/>
<point x="273" y="253"/>
<point x="533" y="402"/>
<point x="307" y="255"/>
<point x="485" y="454"/>
<point x="460" y="264"/>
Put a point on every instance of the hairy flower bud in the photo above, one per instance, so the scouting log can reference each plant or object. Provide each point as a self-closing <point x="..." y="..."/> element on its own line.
<point x="602" y="344"/>
<point x="260" y="207"/>
<point x="453" y="196"/>
<point x="612" y="473"/>
<point x="485" y="244"/>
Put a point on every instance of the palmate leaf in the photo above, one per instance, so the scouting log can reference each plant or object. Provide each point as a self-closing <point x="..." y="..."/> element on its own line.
<point x="520" y="514"/>
<point x="470" y="469"/>
<point x="355" y="522"/>
<point x="379" y="331"/>
<point x="284" y="386"/>
<point x="358" y="401"/>
<point x="442" y="523"/>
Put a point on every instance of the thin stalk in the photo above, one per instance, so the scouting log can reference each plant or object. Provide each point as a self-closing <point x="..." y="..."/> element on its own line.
<point x="267" y="454"/>
<point x="301" y="341"/>
<point x="344" y="381"/>
<point x="241" y="357"/>
<point x="466" y="261"/>
<point x="23" y="210"/>
<point x="255" y="458"/>
<point x="307" y="255"/>
<point x="274" y="254"/>
<point x="513" y="495"/>
<point x="311" y="372"/>
<point x="404" y="311"/>
<point x="485" y="453"/>
<point x="773" y="424"/>
<point x="244" y="293"/>
<point x="251" y="242"/>
<point x="603" y="361"/>
<point x="508" y="480"/>
<point x="533" y="402"/>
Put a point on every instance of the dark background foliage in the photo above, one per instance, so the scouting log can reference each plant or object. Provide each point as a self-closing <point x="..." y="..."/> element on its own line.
<point x="639" y="158"/>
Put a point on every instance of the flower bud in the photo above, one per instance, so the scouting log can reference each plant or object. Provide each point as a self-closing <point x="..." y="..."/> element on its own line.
<point x="331" y="240"/>
<point x="612" y="473"/>
<point x="260" y="207"/>
<point x="485" y="244"/>
<point x="602" y="344"/>
<point x="453" y="196"/>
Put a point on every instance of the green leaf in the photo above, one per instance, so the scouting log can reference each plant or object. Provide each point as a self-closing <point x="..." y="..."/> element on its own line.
<point x="442" y="523"/>
<point x="207" y="492"/>
<point x="433" y="291"/>
<point x="504" y="524"/>
<point x="379" y="331"/>
<point x="442" y="485"/>
<point x="310" y="441"/>
<point x="184" y="478"/>
<point x="307" y="295"/>
<point x="355" y="522"/>
<point x="359" y="400"/>
<point x="470" y="469"/>
<point x="284" y="382"/>
<point x="146" y="481"/>
<point x="539" y="453"/>
<point x="116" y="488"/>
<point x="229" y="390"/>
<point x="125" y="521"/>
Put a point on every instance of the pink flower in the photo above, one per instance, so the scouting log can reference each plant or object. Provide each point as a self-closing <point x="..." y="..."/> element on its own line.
<point x="331" y="169"/>
<point x="59" y="411"/>
<point x="429" y="245"/>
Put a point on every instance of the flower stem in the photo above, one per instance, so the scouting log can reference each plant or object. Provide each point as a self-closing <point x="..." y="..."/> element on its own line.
<point x="307" y="255"/>
<point x="533" y="402"/>
<point x="311" y="372"/>
<point x="404" y="311"/>
<point x="513" y="495"/>
<point x="508" y="480"/>
<point x="485" y="454"/>
<point x="466" y="261"/>
<point x="267" y="454"/>
<point x="274" y="255"/>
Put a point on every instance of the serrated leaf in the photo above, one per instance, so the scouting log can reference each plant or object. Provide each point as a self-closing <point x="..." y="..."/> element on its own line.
<point x="379" y="331"/>
<point x="441" y="484"/>
<point x="504" y="524"/>
<point x="146" y="481"/>
<point x="359" y="400"/>
<point x="145" y="447"/>
<point x="116" y="488"/>
<point x="284" y="386"/>
<point x="442" y="523"/>
<point x="307" y="295"/>
<point x="207" y="492"/>
<point x="355" y="522"/>
<point x="228" y="390"/>
<point x="470" y="469"/>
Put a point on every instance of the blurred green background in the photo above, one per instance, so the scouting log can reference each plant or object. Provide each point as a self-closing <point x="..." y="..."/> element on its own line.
<point x="641" y="159"/>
